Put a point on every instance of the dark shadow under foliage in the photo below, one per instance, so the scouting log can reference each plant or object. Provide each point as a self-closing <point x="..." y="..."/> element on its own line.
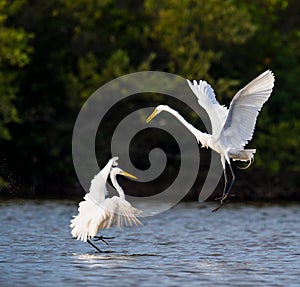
<point x="55" y="54"/>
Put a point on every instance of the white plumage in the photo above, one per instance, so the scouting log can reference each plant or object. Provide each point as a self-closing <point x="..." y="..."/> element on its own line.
<point x="232" y="128"/>
<point x="97" y="212"/>
<point x="244" y="109"/>
<point x="207" y="100"/>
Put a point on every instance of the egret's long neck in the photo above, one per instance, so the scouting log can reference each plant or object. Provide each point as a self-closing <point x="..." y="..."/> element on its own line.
<point x="113" y="178"/>
<point x="200" y="136"/>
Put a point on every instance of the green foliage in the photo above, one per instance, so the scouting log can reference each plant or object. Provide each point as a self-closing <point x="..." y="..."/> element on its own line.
<point x="281" y="163"/>
<point x="14" y="55"/>
<point x="196" y="33"/>
<point x="54" y="54"/>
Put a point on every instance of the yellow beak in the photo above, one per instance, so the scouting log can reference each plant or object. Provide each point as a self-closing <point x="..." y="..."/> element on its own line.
<point x="155" y="112"/>
<point x="127" y="174"/>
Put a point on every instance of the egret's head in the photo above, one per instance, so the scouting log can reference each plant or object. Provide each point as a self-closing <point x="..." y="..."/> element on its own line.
<point x="157" y="110"/>
<point x="115" y="161"/>
<point x="117" y="170"/>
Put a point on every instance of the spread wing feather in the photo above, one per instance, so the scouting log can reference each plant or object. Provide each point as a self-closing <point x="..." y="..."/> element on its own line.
<point x="207" y="99"/>
<point x="91" y="217"/>
<point x="244" y="108"/>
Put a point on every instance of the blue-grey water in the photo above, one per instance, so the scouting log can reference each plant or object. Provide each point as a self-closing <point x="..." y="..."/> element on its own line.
<point x="241" y="245"/>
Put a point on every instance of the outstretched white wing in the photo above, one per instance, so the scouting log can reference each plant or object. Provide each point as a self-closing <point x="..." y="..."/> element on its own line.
<point x="207" y="99"/>
<point x="98" y="184"/>
<point x="244" y="108"/>
<point x="118" y="212"/>
<point x="91" y="217"/>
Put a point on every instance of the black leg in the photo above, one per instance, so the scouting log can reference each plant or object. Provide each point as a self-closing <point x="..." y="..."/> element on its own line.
<point x="102" y="238"/>
<point x="88" y="241"/>
<point x="226" y="191"/>
<point x="231" y="184"/>
<point x="225" y="185"/>
<point x="226" y="182"/>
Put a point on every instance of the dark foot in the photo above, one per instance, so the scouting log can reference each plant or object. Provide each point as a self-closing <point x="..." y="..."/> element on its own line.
<point x="217" y="208"/>
<point x="91" y="243"/>
<point x="102" y="238"/>
<point x="221" y="203"/>
<point x="223" y="198"/>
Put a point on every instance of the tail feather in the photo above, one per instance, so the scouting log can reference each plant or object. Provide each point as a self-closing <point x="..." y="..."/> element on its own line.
<point x="243" y="155"/>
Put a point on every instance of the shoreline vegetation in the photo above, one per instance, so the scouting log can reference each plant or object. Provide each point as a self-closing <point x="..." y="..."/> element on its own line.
<point x="242" y="193"/>
<point x="55" y="54"/>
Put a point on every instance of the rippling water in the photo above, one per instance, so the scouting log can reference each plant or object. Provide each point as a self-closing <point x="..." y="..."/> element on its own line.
<point x="241" y="245"/>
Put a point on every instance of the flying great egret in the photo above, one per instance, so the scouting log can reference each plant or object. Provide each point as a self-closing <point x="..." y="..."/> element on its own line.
<point x="97" y="212"/>
<point x="232" y="128"/>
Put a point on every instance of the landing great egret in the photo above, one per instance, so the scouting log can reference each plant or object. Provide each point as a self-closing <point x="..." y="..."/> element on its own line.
<point x="97" y="212"/>
<point x="232" y="128"/>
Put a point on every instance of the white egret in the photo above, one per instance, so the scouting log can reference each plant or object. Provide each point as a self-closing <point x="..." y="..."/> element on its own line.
<point x="97" y="212"/>
<point x="232" y="128"/>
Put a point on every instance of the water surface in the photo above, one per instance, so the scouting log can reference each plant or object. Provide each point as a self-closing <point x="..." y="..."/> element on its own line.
<point x="241" y="245"/>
